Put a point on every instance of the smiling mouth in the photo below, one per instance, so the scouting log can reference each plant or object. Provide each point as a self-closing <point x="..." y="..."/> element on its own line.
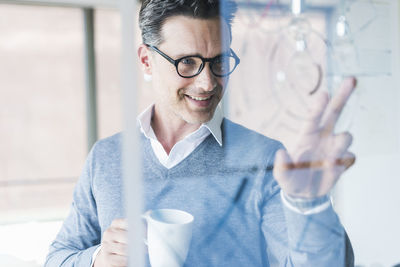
<point x="200" y="101"/>
<point x="198" y="98"/>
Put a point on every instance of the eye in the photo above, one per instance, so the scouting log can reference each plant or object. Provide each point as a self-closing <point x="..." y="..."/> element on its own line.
<point x="188" y="61"/>
<point x="221" y="63"/>
<point x="218" y="60"/>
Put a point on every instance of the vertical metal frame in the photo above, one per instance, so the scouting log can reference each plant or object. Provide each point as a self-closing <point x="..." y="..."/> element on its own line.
<point x="90" y="77"/>
<point x="131" y="160"/>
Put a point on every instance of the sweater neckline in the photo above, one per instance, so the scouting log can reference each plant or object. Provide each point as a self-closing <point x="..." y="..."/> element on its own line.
<point x="150" y="153"/>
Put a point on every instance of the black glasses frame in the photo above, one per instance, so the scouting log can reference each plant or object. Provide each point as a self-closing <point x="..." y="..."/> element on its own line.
<point x="175" y="62"/>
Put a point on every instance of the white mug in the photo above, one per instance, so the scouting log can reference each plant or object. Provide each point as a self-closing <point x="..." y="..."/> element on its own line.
<point x="169" y="233"/>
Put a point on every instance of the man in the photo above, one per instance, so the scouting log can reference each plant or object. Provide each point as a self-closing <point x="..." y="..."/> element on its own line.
<point x="254" y="203"/>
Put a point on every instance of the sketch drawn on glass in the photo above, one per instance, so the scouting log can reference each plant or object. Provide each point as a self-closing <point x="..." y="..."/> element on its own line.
<point x="290" y="51"/>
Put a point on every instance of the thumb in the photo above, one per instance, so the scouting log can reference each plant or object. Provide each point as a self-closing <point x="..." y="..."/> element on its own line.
<point x="282" y="163"/>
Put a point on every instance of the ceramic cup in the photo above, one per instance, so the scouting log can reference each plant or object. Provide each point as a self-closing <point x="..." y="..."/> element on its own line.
<point x="169" y="233"/>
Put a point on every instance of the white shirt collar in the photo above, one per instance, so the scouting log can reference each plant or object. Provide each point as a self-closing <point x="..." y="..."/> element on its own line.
<point x="213" y="126"/>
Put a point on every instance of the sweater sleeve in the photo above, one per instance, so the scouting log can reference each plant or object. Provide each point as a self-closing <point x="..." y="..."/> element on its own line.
<point x="316" y="239"/>
<point x="80" y="233"/>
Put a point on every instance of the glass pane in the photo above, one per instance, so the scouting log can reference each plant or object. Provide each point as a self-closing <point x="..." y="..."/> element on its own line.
<point x="42" y="126"/>
<point x="218" y="188"/>
<point x="108" y="46"/>
<point x="41" y="109"/>
<point x="342" y="39"/>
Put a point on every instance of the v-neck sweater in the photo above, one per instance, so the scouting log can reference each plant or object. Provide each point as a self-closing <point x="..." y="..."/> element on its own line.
<point x="239" y="219"/>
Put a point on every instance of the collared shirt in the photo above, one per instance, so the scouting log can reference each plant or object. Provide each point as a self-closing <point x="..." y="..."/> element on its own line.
<point x="187" y="145"/>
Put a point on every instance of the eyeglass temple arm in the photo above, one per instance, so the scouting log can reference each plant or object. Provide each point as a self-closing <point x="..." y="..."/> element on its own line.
<point x="162" y="54"/>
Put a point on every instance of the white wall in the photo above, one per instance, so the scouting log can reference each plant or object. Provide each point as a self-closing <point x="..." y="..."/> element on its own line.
<point x="368" y="196"/>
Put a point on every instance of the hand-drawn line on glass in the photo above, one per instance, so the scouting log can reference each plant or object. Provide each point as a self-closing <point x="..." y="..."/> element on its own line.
<point x="341" y="54"/>
<point x="221" y="225"/>
<point x="352" y="55"/>
<point x="227" y="213"/>
<point x="201" y="245"/>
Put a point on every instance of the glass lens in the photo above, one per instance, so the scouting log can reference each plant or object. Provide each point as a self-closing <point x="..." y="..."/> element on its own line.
<point x="223" y="65"/>
<point x="189" y="66"/>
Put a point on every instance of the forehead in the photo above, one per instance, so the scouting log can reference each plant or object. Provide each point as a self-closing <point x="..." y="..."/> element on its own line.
<point x="186" y="35"/>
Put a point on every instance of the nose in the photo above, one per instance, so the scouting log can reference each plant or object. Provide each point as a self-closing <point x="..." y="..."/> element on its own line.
<point x="206" y="80"/>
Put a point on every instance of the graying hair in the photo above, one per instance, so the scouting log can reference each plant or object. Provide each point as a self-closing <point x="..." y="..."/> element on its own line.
<point x="153" y="14"/>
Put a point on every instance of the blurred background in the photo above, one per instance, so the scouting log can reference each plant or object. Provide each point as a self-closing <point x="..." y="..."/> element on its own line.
<point x="59" y="92"/>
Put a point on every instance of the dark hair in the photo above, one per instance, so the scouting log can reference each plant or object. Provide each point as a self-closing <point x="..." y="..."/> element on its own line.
<point x="153" y="14"/>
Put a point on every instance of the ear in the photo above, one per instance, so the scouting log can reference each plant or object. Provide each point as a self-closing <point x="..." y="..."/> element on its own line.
<point x="145" y="59"/>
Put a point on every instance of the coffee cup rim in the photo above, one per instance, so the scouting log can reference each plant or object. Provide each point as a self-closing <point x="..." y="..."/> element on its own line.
<point x="149" y="213"/>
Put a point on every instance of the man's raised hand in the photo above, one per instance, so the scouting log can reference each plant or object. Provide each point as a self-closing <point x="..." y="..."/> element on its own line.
<point x="313" y="166"/>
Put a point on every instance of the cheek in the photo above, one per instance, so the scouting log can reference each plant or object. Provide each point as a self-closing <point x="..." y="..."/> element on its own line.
<point x="177" y="86"/>
<point x="170" y="86"/>
<point x="223" y="82"/>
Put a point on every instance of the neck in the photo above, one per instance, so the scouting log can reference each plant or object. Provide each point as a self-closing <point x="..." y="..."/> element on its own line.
<point x="170" y="131"/>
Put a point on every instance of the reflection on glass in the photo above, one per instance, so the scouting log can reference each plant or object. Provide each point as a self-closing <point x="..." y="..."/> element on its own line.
<point x="344" y="48"/>
<point x="295" y="72"/>
<point x="299" y="72"/>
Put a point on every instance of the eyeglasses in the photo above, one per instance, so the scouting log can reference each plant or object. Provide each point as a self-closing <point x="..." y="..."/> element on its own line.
<point x="190" y="66"/>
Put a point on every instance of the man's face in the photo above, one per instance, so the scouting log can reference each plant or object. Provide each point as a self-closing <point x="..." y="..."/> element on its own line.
<point x="191" y="100"/>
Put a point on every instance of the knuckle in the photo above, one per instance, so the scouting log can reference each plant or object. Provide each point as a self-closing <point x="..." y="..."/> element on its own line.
<point x="108" y="233"/>
<point x="348" y="137"/>
<point x="115" y="222"/>
<point x="105" y="235"/>
<point x="106" y="247"/>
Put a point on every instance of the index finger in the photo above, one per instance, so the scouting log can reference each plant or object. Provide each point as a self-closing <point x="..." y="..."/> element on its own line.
<point x="336" y="105"/>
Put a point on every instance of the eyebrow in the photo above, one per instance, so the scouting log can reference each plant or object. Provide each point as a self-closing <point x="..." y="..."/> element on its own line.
<point x="198" y="55"/>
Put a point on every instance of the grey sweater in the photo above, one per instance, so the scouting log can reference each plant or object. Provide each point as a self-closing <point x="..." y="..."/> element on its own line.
<point x="230" y="191"/>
